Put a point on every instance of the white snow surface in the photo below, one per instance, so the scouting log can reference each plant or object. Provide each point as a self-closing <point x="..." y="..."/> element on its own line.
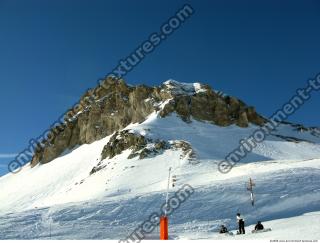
<point x="61" y="200"/>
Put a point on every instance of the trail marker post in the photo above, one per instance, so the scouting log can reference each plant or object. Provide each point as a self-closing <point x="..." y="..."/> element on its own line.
<point x="167" y="196"/>
<point x="164" y="235"/>
<point x="250" y="189"/>
<point x="164" y="228"/>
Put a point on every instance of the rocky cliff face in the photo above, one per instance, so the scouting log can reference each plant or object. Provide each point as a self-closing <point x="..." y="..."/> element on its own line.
<point x="117" y="104"/>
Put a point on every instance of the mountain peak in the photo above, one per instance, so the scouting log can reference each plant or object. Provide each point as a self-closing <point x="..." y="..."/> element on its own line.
<point x="179" y="88"/>
<point x="118" y="105"/>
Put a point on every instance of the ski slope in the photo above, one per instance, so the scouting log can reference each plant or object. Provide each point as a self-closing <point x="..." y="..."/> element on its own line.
<point x="303" y="227"/>
<point x="61" y="200"/>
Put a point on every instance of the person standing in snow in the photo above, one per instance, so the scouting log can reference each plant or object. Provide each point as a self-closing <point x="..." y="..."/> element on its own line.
<point x="240" y="221"/>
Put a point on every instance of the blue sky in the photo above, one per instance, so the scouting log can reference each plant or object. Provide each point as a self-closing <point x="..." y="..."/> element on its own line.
<point x="52" y="51"/>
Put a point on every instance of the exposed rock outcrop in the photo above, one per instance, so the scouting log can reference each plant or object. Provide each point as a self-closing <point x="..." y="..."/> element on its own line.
<point x="139" y="145"/>
<point x="121" y="141"/>
<point x="187" y="151"/>
<point x="102" y="111"/>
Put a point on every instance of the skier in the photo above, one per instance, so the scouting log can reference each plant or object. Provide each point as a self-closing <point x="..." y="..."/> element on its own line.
<point x="223" y="229"/>
<point x="240" y="221"/>
<point x="259" y="226"/>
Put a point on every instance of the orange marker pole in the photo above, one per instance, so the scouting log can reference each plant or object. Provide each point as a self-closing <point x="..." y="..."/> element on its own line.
<point x="163" y="228"/>
<point x="164" y="219"/>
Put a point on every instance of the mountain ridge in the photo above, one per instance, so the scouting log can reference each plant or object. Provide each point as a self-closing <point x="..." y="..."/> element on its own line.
<point x="117" y="105"/>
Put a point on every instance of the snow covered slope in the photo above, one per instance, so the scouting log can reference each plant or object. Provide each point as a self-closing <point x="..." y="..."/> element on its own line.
<point x="65" y="198"/>
<point x="294" y="228"/>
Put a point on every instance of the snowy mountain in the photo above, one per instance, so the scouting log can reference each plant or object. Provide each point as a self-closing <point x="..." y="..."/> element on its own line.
<point x="107" y="173"/>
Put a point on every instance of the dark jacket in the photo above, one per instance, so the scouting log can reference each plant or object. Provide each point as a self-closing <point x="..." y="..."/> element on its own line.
<point x="258" y="226"/>
<point x="223" y="229"/>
